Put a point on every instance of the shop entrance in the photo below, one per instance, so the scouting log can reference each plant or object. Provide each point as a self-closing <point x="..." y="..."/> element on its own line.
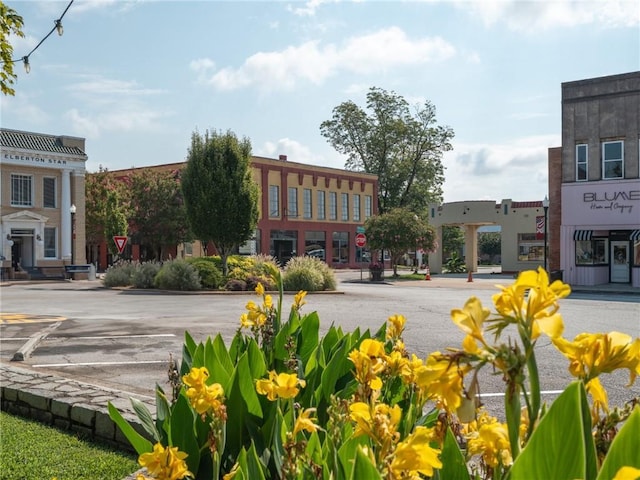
<point x="620" y="262"/>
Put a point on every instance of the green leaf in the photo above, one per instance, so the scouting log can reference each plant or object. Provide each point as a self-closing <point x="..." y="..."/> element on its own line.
<point x="286" y="331"/>
<point x="454" y="466"/>
<point x="245" y="381"/>
<point x="146" y="420"/>
<point x="309" y="336"/>
<point x="257" y="366"/>
<point x="364" y="468"/>
<point x="183" y="433"/>
<point x="347" y="454"/>
<point x="138" y="442"/>
<point x="337" y="366"/>
<point x="255" y="469"/>
<point x="624" y="449"/>
<point x="561" y="447"/>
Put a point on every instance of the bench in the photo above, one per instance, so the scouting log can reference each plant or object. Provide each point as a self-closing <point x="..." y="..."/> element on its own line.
<point x="69" y="270"/>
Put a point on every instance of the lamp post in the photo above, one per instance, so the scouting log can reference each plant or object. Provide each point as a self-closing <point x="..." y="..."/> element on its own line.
<point x="72" y="210"/>
<point x="545" y="206"/>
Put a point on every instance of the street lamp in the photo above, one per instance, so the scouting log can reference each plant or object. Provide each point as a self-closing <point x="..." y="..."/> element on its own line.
<point x="545" y="205"/>
<point x="72" y="210"/>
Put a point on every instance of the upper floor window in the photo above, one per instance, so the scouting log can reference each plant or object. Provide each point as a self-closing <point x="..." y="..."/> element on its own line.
<point x="50" y="250"/>
<point x="306" y="199"/>
<point x="368" y="206"/>
<point x="49" y="192"/>
<point x="356" y="208"/>
<point x="345" y="206"/>
<point x="274" y="201"/>
<point x="21" y="190"/>
<point x="582" y="163"/>
<point x="293" y="202"/>
<point x="333" y="206"/>
<point x="321" y="205"/>
<point x="613" y="159"/>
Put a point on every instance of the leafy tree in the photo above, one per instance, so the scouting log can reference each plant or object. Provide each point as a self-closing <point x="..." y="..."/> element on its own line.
<point x="10" y="24"/>
<point x="490" y="244"/>
<point x="158" y="215"/>
<point x="452" y="240"/>
<point x="105" y="210"/>
<point x="402" y="148"/>
<point x="221" y="197"/>
<point x="399" y="231"/>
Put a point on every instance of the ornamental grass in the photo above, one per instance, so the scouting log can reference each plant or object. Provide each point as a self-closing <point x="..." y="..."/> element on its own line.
<point x="282" y="402"/>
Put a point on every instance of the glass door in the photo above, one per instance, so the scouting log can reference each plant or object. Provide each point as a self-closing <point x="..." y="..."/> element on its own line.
<point x="620" y="262"/>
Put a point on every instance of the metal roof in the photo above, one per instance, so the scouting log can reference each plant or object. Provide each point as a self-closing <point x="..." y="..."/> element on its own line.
<point x="39" y="142"/>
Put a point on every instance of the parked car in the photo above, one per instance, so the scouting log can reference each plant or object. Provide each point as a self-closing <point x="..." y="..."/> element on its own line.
<point x="319" y="253"/>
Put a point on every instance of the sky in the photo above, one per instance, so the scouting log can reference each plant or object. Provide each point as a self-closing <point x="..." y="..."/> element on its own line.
<point x="137" y="78"/>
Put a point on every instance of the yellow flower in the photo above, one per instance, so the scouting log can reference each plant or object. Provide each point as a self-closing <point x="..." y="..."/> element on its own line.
<point x="533" y="302"/>
<point x="268" y="302"/>
<point x="491" y="441"/>
<point x="441" y="380"/>
<point x="165" y="463"/>
<point x="470" y="319"/>
<point x="372" y="348"/>
<point x="367" y="369"/>
<point x="396" y="326"/>
<point x="305" y="422"/>
<point x="298" y="300"/>
<point x="415" y="455"/>
<point x="282" y="385"/>
<point x="379" y="423"/>
<point x="600" y="397"/>
<point x="627" y="473"/>
<point x="203" y="397"/>
<point x="591" y="354"/>
<point x="259" y="289"/>
<point x="234" y="471"/>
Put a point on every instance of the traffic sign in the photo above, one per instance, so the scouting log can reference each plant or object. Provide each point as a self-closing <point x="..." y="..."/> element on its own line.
<point x="121" y="241"/>
<point x="359" y="229"/>
<point x="361" y="240"/>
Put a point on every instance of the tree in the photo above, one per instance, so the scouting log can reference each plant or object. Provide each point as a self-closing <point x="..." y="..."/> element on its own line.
<point x="10" y="24"/>
<point x="221" y="197"/>
<point x="489" y="244"/>
<point x="452" y="240"/>
<point x="158" y="215"/>
<point x="403" y="149"/>
<point x="399" y="231"/>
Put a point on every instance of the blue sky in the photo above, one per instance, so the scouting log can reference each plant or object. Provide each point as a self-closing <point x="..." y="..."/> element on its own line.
<point x="136" y="78"/>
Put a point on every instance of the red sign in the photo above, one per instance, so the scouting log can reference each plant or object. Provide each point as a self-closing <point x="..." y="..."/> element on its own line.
<point x="120" y="242"/>
<point x="540" y="227"/>
<point x="361" y="240"/>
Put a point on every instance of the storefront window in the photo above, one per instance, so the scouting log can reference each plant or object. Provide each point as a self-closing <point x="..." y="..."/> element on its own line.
<point x="530" y="249"/>
<point x="592" y="252"/>
<point x="315" y="245"/>
<point x="340" y="247"/>
<point x="636" y="253"/>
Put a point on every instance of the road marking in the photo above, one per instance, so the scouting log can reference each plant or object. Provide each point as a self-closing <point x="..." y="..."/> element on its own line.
<point x="97" y="364"/>
<point x="106" y="337"/>
<point x="501" y="394"/>
<point x="28" y="318"/>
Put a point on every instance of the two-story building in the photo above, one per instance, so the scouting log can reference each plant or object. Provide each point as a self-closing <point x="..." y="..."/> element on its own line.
<point x="42" y="200"/>
<point x="594" y="182"/>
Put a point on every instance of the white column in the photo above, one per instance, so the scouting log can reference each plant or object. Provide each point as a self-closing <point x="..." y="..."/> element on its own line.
<point x="65" y="216"/>
<point x="471" y="247"/>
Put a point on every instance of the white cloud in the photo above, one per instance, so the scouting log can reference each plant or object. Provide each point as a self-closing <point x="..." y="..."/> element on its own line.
<point x="311" y="62"/>
<point x="516" y="170"/>
<point x="23" y="108"/>
<point x="129" y="119"/>
<point x="309" y="7"/>
<point x="99" y="86"/>
<point x="294" y="150"/>
<point x="536" y="15"/>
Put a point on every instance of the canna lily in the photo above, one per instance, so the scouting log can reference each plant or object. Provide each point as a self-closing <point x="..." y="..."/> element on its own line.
<point x="305" y="422"/>
<point x="491" y="440"/>
<point x="470" y="319"/>
<point x="396" y="326"/>
<point x="298" y="300"/>
<point x="378" y="423"/>
<point x="367" y="369"/>
<point x="165" y="463"/>
<point x="415" y="455"/>
<point x="627" y="473"/>
<point x="203" y="397"/>
<point x="441" y="380"/>
<point x="280" y="385"/>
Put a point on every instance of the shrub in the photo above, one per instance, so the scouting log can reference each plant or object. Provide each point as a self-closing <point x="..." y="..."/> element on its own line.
<point x="235" y="285"/>
<point x="210" y="275"/>
<point x="308" y="273"/>
<point x="119" y="274"/>
<point x="455" y="264"/>
<point x="177" y="275"/>
<point x="267" y="282"/>
<point x="144" y="274"/>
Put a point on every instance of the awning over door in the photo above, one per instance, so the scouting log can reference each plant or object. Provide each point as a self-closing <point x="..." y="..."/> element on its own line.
<point x="582" y="235"/>
<point x="635" y="236"/>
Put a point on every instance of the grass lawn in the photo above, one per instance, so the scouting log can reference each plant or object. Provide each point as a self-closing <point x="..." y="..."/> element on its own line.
<point x="32" y="451"/>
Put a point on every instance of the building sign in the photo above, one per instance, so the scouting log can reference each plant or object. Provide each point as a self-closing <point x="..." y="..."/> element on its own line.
<point x="36" y="160"/>
<point x="601" y="203"/>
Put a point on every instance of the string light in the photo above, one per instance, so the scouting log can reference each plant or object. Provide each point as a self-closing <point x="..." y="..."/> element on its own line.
<point x="57" y="26"/>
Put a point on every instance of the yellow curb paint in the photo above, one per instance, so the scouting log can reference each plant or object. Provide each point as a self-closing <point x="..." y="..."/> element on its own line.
<point x="28" y="318"/>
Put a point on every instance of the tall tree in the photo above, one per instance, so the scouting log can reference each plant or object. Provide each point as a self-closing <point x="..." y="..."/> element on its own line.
<point x="399" y="231"/>
<point x="220" y="195"/>
<point x="158" y="215"/>
<point x="105" y="210"/>
<point x="10" y="24"/>
<point x="490" y="244"/>
<point x="402" y="148"/>
<point x="452" y="240"/>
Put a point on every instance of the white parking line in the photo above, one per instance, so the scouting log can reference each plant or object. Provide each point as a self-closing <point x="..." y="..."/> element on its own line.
<point x="93" y="364"/>
<point x="105" y="337"/>
<point x="501" y="394"/>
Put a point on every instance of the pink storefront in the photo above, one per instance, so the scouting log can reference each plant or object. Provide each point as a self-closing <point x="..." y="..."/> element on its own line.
<point x="600" y="232"/>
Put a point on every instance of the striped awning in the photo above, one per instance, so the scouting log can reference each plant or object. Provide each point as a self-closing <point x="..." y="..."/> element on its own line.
<point x="582" y="235"/>
<point x="635" y="236"/>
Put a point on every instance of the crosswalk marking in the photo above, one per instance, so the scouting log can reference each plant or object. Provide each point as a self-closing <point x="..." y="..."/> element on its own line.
<point x="29" y="318"/>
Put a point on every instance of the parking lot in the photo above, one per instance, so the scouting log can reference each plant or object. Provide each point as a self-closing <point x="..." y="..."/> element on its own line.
<point x="122" y="339"/>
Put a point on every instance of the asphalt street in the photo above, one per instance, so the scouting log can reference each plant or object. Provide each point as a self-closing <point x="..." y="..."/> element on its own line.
<point x="122" y="339"/>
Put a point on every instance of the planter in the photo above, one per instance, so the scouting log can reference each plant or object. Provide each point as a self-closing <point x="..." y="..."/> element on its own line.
<point x="376" y="275"/>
